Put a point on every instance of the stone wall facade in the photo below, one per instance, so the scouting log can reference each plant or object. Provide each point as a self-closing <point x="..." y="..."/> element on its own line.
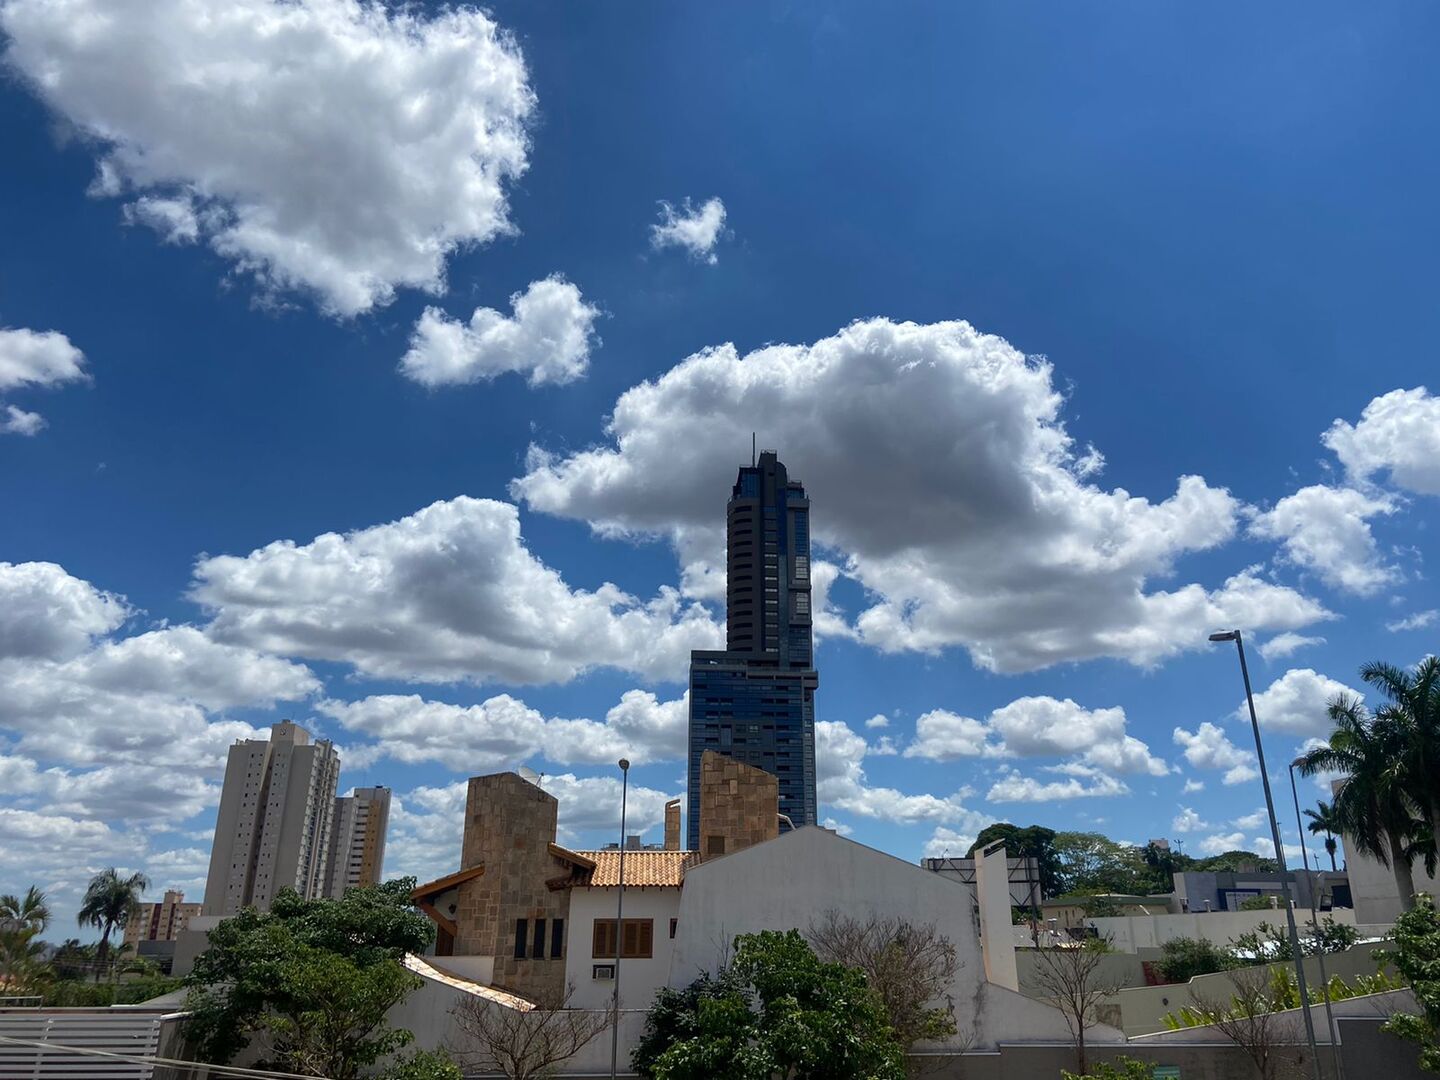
<point x="739" y="805"/>
<point x="509" y="825"/>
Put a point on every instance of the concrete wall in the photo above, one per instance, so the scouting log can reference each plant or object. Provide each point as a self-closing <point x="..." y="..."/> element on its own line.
<point x="1373" y="889"/>
<point x="1129" y="933"/>
<point x="1143" y="1008"/>
<point x="639" y="979"/>
<point x="788" y="883"/>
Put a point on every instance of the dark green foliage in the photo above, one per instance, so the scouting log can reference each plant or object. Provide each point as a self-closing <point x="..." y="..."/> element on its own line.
<point x="1033" y="842"/>
<point x="1238" y="861"/>
<point x="777" y="1011"/>
<point x="1416" y="956"/>
<point x="76" y="993"/>
<point x="1182" y="959"/>
<point x="318" y="975"/>
<point x="423" y="1065"/>
<point x="1123" y="1068"/>
<point x="1256" y="903"/>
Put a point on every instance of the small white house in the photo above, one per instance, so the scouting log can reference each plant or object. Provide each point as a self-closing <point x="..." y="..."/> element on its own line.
<point x="653" y="882"/>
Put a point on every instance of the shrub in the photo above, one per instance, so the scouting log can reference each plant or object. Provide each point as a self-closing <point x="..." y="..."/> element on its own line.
<point x="1182" y="959"/>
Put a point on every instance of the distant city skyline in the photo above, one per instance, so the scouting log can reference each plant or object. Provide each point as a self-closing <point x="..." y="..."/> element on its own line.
<point x="414" y="424"/>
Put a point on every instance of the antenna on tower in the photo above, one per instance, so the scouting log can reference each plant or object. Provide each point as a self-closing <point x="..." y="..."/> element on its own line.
<point x="752" y="449"/>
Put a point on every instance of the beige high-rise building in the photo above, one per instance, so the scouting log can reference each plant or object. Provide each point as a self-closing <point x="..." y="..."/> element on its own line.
<point x="357" y="839"/>
<point x="162" y="921"/>
<point x="276" y="813"/>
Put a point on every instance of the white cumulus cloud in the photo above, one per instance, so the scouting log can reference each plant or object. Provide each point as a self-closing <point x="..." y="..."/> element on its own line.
<point x="447" y="594"/>
<point x="1295" y="703"/>
<point x="31" y="358"/>
<point x="841" y="785"/>
<point x="17" y="421"/>
<point x="503" y="732"/>
<point x="948" y="483"/>
<point x="1286" y="644"/>
<point x="1014" y="787"/>
<point x="1399" y="435"/>
<point x="697" y="229"/>
<point x="547" y="338"/>
<point x="1327" y="530"/>
<point x="337" y="146"/>
<point x="1207" y="747"/>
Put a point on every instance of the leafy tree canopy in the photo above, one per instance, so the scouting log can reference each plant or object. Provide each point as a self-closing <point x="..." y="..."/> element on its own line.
<point x="777" y="1011"/>
<point x="1033" y="842"/>
<point x="1416" y="956"/>
<point x="317" y="976"/>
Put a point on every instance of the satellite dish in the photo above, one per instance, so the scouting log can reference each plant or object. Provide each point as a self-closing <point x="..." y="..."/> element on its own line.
<point x="527" y="773"/>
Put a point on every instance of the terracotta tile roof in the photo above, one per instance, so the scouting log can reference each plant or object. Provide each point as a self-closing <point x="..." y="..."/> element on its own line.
<point x="642" y="868"/>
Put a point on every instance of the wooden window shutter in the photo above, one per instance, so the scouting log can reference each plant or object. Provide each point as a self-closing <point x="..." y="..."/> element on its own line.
<point x="603" y="943"/>
<point x="647" y="938"/>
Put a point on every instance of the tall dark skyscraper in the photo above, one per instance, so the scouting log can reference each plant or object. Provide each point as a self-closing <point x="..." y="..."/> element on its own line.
<point x="756" y="700"/>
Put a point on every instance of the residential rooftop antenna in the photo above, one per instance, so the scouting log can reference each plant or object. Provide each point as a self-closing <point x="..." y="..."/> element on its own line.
<point x="752" y="449"/>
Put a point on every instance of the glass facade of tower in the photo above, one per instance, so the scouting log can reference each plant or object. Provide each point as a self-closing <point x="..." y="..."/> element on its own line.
<point x="755" y="701"/>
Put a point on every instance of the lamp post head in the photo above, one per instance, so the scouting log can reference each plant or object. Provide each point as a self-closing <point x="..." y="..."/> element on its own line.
<point x="624" y="765"/>
<point x="1225" y="635"/>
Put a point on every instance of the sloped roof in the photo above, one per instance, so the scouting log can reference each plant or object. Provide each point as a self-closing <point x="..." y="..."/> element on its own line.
<point x="446" y="883"/>
<point x="642" y="868"/>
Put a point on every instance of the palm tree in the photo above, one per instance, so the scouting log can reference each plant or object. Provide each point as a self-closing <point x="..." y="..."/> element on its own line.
<point x="1373" y="807"/>
<point x="32" y="912"/>
<point x="109" y="902"/>
<point x="1323" y="819"/>
<point x="22" y="921"/>
<point x="1412" y="701"/>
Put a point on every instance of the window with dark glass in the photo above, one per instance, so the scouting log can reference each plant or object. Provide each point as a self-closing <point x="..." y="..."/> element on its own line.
<point x="520" y="927"/>
<point x="537" y="951"/>
<point x="557" y="938"/>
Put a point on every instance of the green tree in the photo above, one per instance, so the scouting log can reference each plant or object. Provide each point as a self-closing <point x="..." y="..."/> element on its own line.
<point x="777" y="1011"/>
<point x="1181" y="959"/>
<point x="22" y="921"/>
<point x="1411" y="702"/>
<point x="1032" y="842"/>
<point x="110" y="901"/>
<point x="1416" y="956"/>
<point x="317" y="975"/>
<point x="1375" y="806"/>
<point x="1323" y="819"/>
<point x="1236" y="861"/>
<point x="1092" y="863"/>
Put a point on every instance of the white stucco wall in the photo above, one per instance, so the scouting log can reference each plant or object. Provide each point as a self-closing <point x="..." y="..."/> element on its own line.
<point x="639" y="979"/>
<point x="788" y="883"/>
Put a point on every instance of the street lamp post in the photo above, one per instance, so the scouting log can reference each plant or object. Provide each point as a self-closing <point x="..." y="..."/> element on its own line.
<point x="619" y="924"/>
<point x="1234" y="635"/>
<point x="1315" y="922"/>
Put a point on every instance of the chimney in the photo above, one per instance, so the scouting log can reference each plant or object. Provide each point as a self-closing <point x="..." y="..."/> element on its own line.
<point x="672" y="825"/>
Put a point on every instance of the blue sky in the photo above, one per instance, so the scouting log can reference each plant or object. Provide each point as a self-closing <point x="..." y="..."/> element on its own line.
<point x="256" y="287"/>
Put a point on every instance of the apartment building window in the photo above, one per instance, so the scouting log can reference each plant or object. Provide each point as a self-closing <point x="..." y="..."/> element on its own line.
<point x="715" y="845"/>
<point x="637" y="939"/>
<point x="521" y="925"/>
<point x="538" y="951"/>
<point x="557" y="938"/>
<point x="673" y="924"/>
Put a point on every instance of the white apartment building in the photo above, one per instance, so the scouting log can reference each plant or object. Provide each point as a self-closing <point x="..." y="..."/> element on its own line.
<point x="276" y="814"/>
<point x="357" y="840"/>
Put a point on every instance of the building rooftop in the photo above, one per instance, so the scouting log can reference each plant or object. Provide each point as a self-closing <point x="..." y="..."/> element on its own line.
<point x="642" y="868"/>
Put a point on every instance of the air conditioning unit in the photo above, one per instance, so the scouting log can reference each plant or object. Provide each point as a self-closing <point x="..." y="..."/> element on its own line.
<point x="602" y="971"/>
